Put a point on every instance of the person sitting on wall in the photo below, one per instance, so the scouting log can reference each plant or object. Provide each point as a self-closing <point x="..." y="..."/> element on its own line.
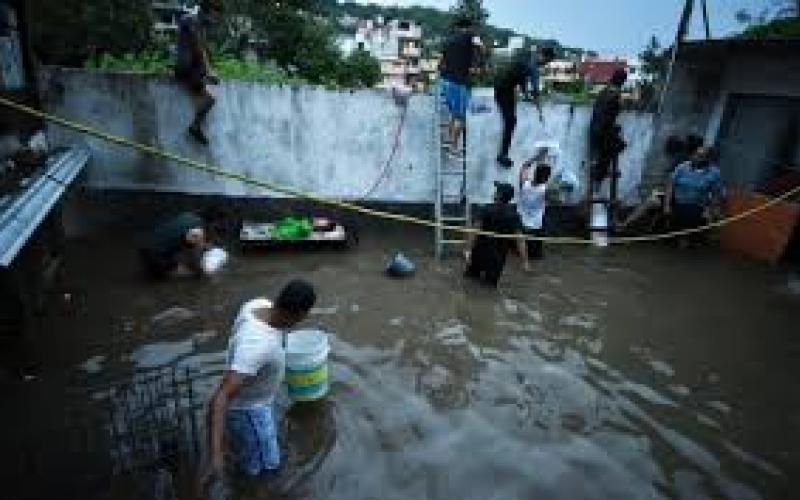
<point x="522" y="73"/>
<point x="533" y="185"/>
<point x="192" y="68"/>
<point x="487" y="257"/>
<point x="175" y="247"/>
<point x="241" y="414"/>
<point x="694" y="191"/>
<point x="461" y="53"/>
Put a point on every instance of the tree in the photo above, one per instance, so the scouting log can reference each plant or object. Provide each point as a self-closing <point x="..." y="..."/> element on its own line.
<point x="359" y="69"/>
<point x="294" y="37"/>
<point x="472" y="10"/>
<point x="67" y="32"/>
<point x="788" y="8"/>
<point x="780" y="20"/>
<point x="655" y="60"/>
<point x="743" y="16"/>
<point x="655" y="64"/>
<point x="777" y="28"/>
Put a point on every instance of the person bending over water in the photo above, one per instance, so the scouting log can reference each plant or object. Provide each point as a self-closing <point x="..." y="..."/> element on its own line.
<point x="175" y="247"/>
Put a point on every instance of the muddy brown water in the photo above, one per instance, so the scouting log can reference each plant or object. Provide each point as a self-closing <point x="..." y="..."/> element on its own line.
<point x="641" y="372"/>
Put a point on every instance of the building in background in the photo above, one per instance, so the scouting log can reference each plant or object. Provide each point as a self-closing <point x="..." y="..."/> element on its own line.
<point x="165" y="16"/>
<point x="597" y="73"/>
<point x="514" y="44"/>
<point x="561" y="72"/>
<point x="396" y="44"/>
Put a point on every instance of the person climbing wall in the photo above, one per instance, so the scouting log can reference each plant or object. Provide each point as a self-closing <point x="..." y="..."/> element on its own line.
<point x="192" y="68"/>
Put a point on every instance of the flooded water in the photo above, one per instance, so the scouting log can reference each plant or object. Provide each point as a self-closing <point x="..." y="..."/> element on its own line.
<point x="627" y="373"/>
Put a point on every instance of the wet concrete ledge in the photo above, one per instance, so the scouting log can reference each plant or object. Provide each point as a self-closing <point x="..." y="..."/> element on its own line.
<point x="88" y="211"/>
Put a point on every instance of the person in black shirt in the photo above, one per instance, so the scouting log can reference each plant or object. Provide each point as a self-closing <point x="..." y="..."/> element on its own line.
<point x="605" y="136"/>
<point x="522" y="71"/>
<point x="459" y="58"/>
<point x="192" y="68"/>
<point x="487" y="257"/>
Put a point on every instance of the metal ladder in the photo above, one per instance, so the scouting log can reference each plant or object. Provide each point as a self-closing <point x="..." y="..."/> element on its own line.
<point x="452" y="207"/>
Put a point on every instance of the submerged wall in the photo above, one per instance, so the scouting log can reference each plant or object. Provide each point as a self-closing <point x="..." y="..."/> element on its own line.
<point x="335" y="143"/>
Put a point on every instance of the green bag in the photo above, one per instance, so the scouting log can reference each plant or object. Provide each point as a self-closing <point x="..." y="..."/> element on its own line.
<point x="293" y="228"/>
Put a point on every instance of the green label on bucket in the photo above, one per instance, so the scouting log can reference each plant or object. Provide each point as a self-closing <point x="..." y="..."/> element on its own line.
<point x="307" y="377"/>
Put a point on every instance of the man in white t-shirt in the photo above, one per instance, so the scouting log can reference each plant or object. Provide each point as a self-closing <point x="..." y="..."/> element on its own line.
<point x="533" y="183"/>
<point x="241" y="412"/>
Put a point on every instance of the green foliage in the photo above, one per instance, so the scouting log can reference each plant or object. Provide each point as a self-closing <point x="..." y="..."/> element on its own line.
<point x="228" y="67"/>
<point x="148" y="61"/>
<point x="232" y="68"/>
<point x="360" y="69"/>
<point x="66" y="32"/>
<point x="471" y="10"/>
<point x="576" y="88"/>
<point x="778" y="28"/>
<point x="655" y="65"/>
<point x="655" y="60"/>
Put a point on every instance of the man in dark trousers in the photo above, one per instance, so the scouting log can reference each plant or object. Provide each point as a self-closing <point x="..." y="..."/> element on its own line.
<point x="605" y="136"/>
<point x="192" y="68"/>
<point x="522" y="73"/>
<point x="460" y="56"/>
<point x="487" y="257"/>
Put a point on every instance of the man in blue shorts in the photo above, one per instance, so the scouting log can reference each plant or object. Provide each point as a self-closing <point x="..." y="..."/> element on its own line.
<point x="460" y="56"/>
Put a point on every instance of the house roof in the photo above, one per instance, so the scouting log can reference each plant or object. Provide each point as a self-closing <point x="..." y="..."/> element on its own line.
<point x="600" y="71"/>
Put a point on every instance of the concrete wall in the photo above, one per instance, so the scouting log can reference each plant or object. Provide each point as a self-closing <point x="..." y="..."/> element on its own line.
<point x="562" y="123"/>
<point x="701" y="91"/>
<point x="329" y="142"/>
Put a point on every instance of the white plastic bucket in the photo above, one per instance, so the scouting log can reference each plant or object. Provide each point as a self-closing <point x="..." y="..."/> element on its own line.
<point x="214" y="260"/>
<point x="599" y="225"/>
<point x="307" y="365"/>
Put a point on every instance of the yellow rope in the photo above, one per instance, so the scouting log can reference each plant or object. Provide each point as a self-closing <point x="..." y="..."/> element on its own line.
<point x="204" y="167"/>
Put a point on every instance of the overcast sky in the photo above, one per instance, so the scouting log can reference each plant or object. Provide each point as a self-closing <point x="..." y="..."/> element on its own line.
<point x="620" y="27"/>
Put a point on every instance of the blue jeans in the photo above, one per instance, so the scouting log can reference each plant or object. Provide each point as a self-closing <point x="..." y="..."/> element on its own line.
<point x="253" y="439"/>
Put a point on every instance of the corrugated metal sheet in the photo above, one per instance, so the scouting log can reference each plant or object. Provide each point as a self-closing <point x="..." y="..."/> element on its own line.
<point x="21" y="216"/>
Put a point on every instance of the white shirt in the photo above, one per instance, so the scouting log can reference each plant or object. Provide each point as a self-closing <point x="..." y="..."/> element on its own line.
<point x="255" y="351"/>
<point x="532" y="202"/>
